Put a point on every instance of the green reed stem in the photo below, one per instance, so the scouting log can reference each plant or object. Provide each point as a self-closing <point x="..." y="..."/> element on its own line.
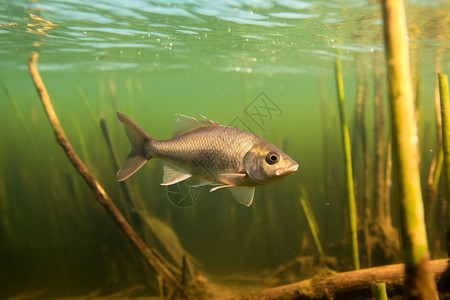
<point x="312" y="224"/>
<point x="445" y="113"/>
<point x="105" y="133"/>
<point x="348" y="166"/>
<point x="380" y="291"/>
<point x="20" y="117"/>
<point x="86" y="103"/>
<point x="82" y="141"/>
<point x="432" y="184"/>
<point x="418" y="282"/>
<point x="127" y="202"/>
<point x="438" y="170"/>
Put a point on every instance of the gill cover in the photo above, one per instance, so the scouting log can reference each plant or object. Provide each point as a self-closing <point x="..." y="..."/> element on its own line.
<point x="252" y="166"/>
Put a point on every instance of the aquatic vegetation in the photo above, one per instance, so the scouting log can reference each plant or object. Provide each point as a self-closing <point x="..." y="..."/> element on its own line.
<point x="20" y="117"/>
<point x="418" y="282"/>
<point x="86" y="102"/>
<point x="445" y="111"/>
<point x="312" y="224"/>
<point x="380" y="292"/>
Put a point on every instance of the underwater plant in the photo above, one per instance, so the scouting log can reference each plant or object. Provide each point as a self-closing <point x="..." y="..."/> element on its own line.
<point x="351" y="205"/>
<point x="418" y="282"/>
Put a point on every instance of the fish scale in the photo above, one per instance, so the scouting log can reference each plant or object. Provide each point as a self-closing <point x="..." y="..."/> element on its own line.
<point x="218" y="148"/>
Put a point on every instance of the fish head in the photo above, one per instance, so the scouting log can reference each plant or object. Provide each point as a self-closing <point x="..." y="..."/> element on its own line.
<point x="265" y="163"/>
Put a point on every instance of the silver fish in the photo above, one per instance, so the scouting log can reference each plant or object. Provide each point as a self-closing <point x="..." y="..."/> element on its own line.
<point x="207" y="153"/>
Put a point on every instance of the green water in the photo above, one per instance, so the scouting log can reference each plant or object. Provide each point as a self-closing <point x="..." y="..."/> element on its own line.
<point x="151" y="60"/>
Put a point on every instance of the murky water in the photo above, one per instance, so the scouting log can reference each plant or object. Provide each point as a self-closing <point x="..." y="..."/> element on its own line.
<point x="263" y="66"/>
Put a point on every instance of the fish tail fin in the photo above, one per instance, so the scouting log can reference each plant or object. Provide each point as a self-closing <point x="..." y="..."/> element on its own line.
<point x="137" y="157"/>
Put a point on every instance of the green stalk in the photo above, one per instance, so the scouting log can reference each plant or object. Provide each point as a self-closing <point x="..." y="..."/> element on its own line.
<point x="418" y="282"/>
<point x="21" y="118"/>
<point x="127" y="202"/>
<point x="348" y="166"/>
<point x="432" y="184"/>
<point x="86" y="103"/>
<point x="438" y="170"/>
<point x="81" y="139"/>
<point x="380" y="291"/>
<point x="445" y="113"/>
<point x="312" y="225"/>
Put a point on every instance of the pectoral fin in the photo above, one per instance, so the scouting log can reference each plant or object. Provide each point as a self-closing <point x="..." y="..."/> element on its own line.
<point x="231" y="178"/>
<point x="198" y="181"/>
<point x="173" y="174"/>
<point x="220" y="187"/>
<point x="243" y="194"/>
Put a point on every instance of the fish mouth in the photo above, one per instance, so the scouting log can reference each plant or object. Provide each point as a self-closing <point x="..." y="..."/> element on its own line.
<point x="289" y="169"/>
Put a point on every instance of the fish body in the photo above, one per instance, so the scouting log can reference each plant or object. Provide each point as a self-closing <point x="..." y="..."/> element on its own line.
<point x="207" y="153"/>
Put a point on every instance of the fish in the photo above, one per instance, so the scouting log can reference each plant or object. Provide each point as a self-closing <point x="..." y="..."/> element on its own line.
<point x="203" y="152"/>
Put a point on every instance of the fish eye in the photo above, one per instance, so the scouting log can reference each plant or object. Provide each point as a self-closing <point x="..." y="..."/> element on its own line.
<point x="272" y="158"/>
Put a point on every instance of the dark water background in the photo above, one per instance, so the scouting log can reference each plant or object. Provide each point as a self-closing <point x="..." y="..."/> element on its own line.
<point x="222" y="59"/>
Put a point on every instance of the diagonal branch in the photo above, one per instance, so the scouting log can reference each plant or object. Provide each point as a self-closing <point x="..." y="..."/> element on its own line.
<point x="172" y="281"/>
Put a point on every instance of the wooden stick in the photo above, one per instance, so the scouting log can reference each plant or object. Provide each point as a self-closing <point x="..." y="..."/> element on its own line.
<point x="158" y="266"/>
<point x="347" y="285"/>
<point x="406" y="154"/>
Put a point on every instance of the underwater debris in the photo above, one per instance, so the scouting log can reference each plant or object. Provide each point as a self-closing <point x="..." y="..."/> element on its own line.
<point x="347" y="285"/>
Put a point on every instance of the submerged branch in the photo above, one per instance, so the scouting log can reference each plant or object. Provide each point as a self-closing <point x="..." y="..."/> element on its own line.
<point x="348" y="285"/>
<point x="162" y="268"/>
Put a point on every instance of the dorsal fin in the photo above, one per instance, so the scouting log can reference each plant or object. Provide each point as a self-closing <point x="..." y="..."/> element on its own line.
<point x="185" y="123"/>
<point x="210" y="122"/>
